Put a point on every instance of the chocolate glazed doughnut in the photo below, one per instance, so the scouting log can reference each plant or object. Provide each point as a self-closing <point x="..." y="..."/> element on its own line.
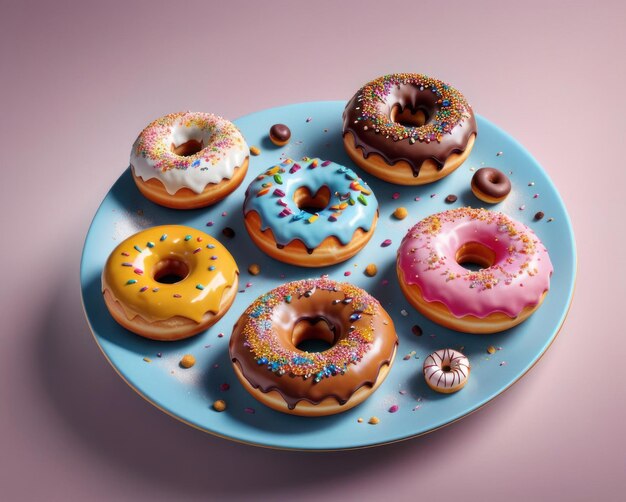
<point x="266" y="358"/>
<point x="490" y="185"/>
<point x="408" y="128"/>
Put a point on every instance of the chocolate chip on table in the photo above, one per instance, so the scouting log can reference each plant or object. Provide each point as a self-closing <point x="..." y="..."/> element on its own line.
<point x="228" y="232"/>
<point x="451" y="198"/>
<point x="416" y="330"/>
<point x="539" y="215"/>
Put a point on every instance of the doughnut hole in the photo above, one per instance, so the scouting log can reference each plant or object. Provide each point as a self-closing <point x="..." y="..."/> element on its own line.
<point x="314" y="334"/>
<point x="187" y="141"/>
<point x="495" y="178"/>
<point x="312" y="203"/>
<point x="411" y="117"/>
<point x="170" y="271"/>
<point x="187" y="148"/>
<point x="475" y="256"/>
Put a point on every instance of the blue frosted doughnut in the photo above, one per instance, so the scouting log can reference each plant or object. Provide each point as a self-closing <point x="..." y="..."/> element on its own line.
<point x="318" y="212"/>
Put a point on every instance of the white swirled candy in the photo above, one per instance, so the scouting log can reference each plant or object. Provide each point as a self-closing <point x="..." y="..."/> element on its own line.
<point x="220" y="149"/>
<point x="446" y="370"/>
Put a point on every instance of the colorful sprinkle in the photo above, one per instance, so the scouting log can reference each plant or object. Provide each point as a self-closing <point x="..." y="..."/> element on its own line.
<point x="219" y="405"/>
<point x="371" y="270"/>
<point x="441" y="123"/>
<point x="400" y="213"/>
<point x="258" y="331"/>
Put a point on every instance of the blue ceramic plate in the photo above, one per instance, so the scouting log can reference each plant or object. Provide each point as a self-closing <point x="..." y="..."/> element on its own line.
<point x="151" y="368"/>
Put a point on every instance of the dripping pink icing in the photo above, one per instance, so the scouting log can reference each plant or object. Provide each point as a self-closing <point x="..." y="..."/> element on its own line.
<point x="517" y="279"/>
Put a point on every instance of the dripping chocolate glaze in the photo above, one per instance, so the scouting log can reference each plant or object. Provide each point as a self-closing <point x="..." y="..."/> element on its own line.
<point x="295" y="388"/>
<point x="406" y="96"/>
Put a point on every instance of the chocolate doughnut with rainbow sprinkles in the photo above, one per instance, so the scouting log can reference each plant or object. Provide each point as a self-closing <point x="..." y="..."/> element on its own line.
<point x="408" y="128"/>
<point x="266" y="347"/>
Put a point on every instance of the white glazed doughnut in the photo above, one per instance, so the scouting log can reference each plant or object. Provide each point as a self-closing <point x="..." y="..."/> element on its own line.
<point x="446" y="371"/>
<point x="188" y="160"/>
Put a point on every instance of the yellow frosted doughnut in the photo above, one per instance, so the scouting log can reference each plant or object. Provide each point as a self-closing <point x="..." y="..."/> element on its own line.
<point x="169" y="282"/>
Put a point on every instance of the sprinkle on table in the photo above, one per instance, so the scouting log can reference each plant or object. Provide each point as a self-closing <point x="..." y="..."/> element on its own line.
<point x="187" y="361"/>
<point x="371" y="270"/>
<point x="400" y="213"/>
<point x="219" y="405"/>
<point x="385" y="243"/>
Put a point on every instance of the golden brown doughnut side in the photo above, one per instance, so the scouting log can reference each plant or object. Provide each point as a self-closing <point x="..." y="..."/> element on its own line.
<point x="184" y="198"/>
<point x="329" y="252"/>
<point x="401" y="172"/>
<point x="175" y="328"/>
<point x="439" y="313"/>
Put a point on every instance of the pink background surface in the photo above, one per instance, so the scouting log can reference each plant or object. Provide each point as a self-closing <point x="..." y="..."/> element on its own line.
<point x="79" y="82"/>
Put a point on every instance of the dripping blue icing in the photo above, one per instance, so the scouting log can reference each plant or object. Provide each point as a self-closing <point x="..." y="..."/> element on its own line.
<point x="288" y="222"/>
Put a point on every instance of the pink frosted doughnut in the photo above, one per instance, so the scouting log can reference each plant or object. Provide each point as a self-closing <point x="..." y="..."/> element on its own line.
<point x="446" y="371"/>
<point x="511" y="285"/>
